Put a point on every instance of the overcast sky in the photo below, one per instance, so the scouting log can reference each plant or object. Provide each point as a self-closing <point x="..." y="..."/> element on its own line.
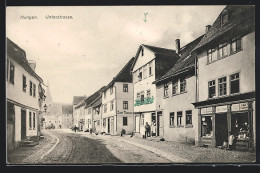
<point x="77" y="57"/>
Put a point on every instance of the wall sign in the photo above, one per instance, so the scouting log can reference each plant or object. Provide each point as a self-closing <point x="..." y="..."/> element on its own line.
<point x="207" y="110"/>
<point x="221" y="109"/>
<point x="235" y="107"/>
<point x="239" y="107"/>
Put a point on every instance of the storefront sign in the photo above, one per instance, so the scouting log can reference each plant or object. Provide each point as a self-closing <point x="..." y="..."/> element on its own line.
<point x="221" y="109"/>
<point x="203" y="110"/>
<point x="235" y="107"/>
<point x="243" y="106"/>
<point x="208" y="110"/>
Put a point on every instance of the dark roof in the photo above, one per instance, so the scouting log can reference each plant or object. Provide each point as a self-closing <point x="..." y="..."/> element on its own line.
<point x="96" y="102"/>
<point x="19" y="55"/>
<point x="124" y="75"/>
<point x="93" y="97"/>
<point x="158" y="52"/>
<point x="241" y="21"/>
<point x="67" y="109"/>
<point x="185" y="62"/>
<point x="77" y="99"/>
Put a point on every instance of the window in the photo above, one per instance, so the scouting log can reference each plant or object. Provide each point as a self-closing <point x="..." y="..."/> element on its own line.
<point x="183" y="85"/>
<point x="145" y="71"/>
<point x="34" y="120"/>
<point x="142" y="96"/>
<point x="212" y="55"/>
<point x="142" y="119"/>
<point x="24" y="83"/>
<point x="34" y="90"/>
<point x="223" y="50"/>
<point x="222" y="83"/>
<point x="105" y="93"/>
<point x="31" y="88"/>
<point x="124" y="121"/>
<point x="104" y="122"/>
<point x="179" y="118"/>
<point x="206" y="126"/>
<point x="111" y="90"/>
<point x="11" y="73"/>
<point x="140" y="74"/>
<point x="30" y="120"/>
<point x="165" y="89"/>
<point x="234" y="83"/>
<point x="235" y="45"/>
<point x="150" y="68"/>
<point x="125" y="87"/>
<point x="138" y="96"/>
<point x="174" y="87"/>
<point x="188" y="117"/>
<point x="7" y="69"/>
<point x="148" y="93"/>
<point x="125" y="104"/>
<point x="212" y="89"/>
<point x="224" y="18"/>
<point x="111" y="105"/>
<point x="105" y="108"/>
<point x="172" y="119"/>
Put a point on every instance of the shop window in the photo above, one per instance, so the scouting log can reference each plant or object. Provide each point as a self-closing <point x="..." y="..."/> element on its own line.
<point x="34" y="90"/>
<point x="34" y="121"/>
<point x="165" y="89"/>
<point x="124" y="121"/>
<point x="172" y="119"/>
<point x="125" y="104"/>
<point x="30" y="120"/>
<point x="179" y="118"/>
<point x="31" y="85"/>
<point x="150" y="68"/>
<point x="189" y="117"/>
<point x="125" y="87"/>
<point x="212" y="89"/>
<point x="148" y="93"/>
<point x="111" y="90"/>
<point x="234" y="83"/>
<point x="223" y="50"/>
<point x="222" y="85"/>
<point x="174" y="87"/>
<point x="206" y="126"/>
<point x="241" y="125"/>
<point x="236" y="45"/>
<point x="12" y="68"/>
<point x="142" y="96"/>
<point x="183" y="86"/>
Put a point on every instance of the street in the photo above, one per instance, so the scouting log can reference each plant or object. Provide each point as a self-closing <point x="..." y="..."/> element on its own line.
<point x="67" y="147"/>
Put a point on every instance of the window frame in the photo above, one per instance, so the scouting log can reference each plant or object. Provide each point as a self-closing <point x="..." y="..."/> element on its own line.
<point x="125" y="105"/>
<point x="186" y="118"/>
<point x="125" y="88"/>
<point x="30" y="120"/>
<point x="125" y="121"/>
<point x="34" y="90"/>
<point x="224" y="84"/>
<point x="225" y="13"/>
<point x="24" y="83"/>
<point x="171" y="119"/>
<point x="111" y="90"/>
<point x="31" y="88"/>
<point x="183" y="81"/>
<point x="148" y="91"/>
<point x="165" y="90"/>
<point x="142" y="96"/>
<point x="232" y="80"/>
<point x="11" y="75"/>
<point x="34" y="121"/>
<point x="175" y="85"/>
<point x="150" y="68"/>
<point x="179" y="117"/>
<point x="111" y="105"/>
<point x="209" y="87"/>
<point x="235" y="40"/>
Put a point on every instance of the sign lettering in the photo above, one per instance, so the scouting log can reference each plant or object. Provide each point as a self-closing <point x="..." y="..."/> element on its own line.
<point x="221" y="109"/>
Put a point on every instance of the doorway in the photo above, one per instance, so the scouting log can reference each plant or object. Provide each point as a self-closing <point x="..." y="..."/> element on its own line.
<point x="112" y="126"/>
<point x="137" y="124"/>
<point x="108" y="125"/>
<point x="23" y="124"/>
<point x="159" y="124"/>
<point x="221" y="129"/>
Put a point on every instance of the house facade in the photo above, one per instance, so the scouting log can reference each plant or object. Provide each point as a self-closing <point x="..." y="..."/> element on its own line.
<point x="175" y="93"/>
<point x="117" y="103"/>
<point x="80" y="114"/>
<point x="24" y="96"/>
<point x="67" y="116"/>
<point x="225" y="79"/>
<point x="150" y="64"/>
<point x="76" y="114"/>
<point x="53" y="116"/>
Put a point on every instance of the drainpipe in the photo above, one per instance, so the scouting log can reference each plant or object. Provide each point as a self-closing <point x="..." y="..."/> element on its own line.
<point x="115" y="107"/>
<point x="196" y="77"/>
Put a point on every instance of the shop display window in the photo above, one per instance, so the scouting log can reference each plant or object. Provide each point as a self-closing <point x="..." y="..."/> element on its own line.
<point x="240" y="125"/>
<point x="206" y="126"/>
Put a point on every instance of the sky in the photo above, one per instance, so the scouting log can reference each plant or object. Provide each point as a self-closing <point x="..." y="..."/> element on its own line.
<point x="78" y="56"/>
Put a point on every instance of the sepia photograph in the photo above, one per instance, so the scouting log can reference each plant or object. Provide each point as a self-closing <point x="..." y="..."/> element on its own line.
<point x="130" y="84"/>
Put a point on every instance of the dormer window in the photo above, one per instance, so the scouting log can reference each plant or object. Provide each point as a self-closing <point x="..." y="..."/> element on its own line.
<point x="224" y="18"/>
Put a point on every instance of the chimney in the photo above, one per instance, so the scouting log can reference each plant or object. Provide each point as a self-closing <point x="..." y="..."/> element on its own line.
<point x="177" y="44"/>
<point x="32" y="64"/>
<point x="207" y="28"/>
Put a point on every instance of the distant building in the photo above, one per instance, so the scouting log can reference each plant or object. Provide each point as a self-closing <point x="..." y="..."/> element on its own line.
<point x="79" y="112"/>
<point x="67" y="111"/>
<point x="24" y="95"/>
<point x="117" y="102"/>
<point x="225" y="79"/>
<point x="53" y="116"/>
<point x="149" y="65"/>
<point x="175" y="93"/>
<point x="75" y="115"/>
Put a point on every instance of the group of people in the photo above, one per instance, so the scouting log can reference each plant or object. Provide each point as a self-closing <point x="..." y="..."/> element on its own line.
<point x="230" y="145"/>
<point x="150" y="130"/>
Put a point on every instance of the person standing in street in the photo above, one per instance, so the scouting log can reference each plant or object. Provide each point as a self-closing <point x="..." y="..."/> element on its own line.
<point x="147" y="130"/>
<point x="231" y="139"/>
<point x="153" y="128"/>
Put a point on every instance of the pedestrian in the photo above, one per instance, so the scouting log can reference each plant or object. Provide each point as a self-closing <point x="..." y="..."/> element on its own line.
<point x="231" y="143"/>
<point x="153" y="127"/>
<point x="75" y="128"/>
<point x="147" y="130"/>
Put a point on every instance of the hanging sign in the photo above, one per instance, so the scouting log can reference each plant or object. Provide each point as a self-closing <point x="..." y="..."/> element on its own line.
<point x="221" y="109"/>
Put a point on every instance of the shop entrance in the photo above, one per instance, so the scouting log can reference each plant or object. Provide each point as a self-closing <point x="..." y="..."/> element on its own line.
<point x="159" y="124"/>
<point x="137" y="124"/>
<point x="23" y="124"/>
<point x="108" y="125"/>
<point x="221" y="129"/>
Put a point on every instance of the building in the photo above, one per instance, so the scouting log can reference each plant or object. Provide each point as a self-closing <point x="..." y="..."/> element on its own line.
<point x="150" y="64"/>
<point x="67" y="111"/>
<point x="97" y="114"/>
<point x="53" y="116"/>
<point x="225" y="79"/>
<point x="75" y="115"/>
<point x="80" y="112"/>
<point x="24" y="96"/>
<point x="175" y="93"/>
<point x="117" y="103"/>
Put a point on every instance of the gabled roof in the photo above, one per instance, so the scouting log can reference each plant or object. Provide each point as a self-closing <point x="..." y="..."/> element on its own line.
<point x="241" y="20"/>
<point x="67" y="109"/>
<point x="93" y="97"/>
<point x="124" y="75"/>
<point x="77" y="99"/>
<point x="96" y="102"/>
<point x="158" y="52"/>
<point x="19" y="55"/>
<point x="185" y="62"/>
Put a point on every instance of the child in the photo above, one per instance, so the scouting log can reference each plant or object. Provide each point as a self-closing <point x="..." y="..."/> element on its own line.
<point x="231" y="141"/>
